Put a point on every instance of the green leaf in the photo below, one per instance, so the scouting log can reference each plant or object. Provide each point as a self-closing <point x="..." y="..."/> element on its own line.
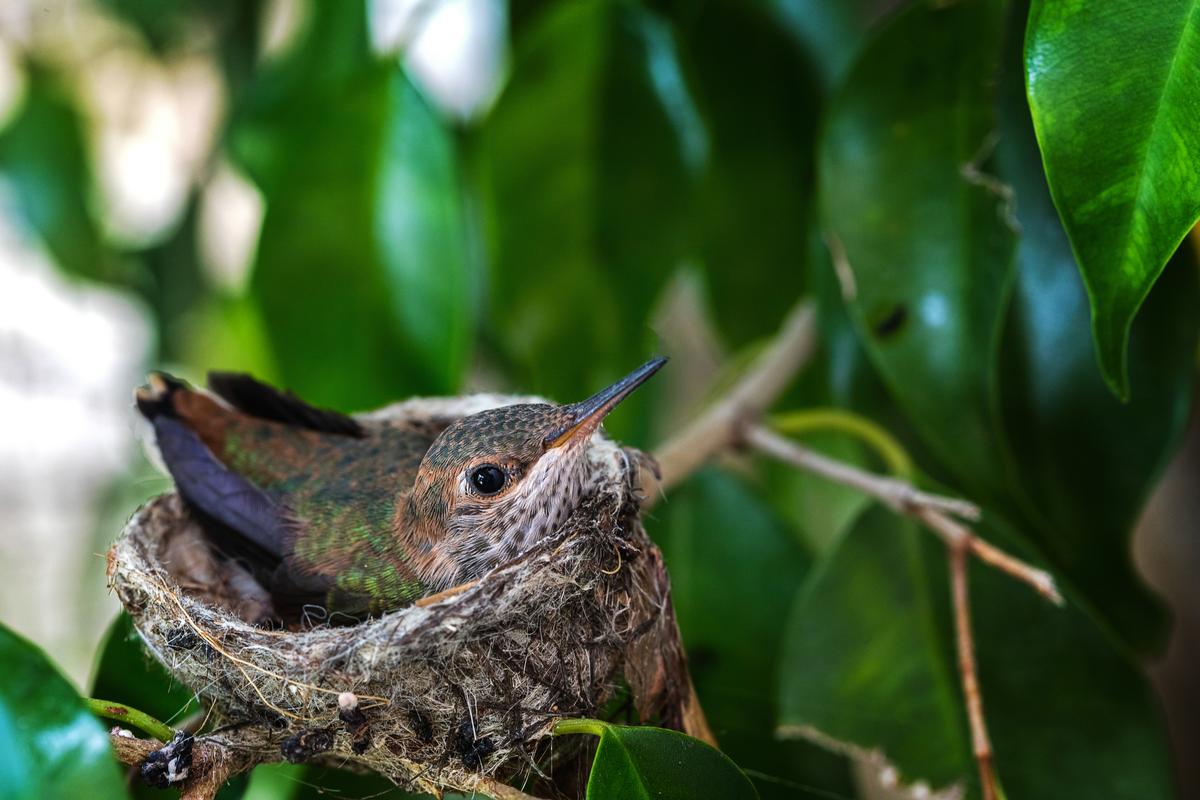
<point x="643" y="762"/>
<point x="309" y="782"/>
<point x="590" y="161"/>
<point x="923" y="231"/>
<point x="50" y="746"/>
<point x="421" y="223"/>
<point x="1113" y="89"/>
<point x="1085" y="462"/>
<point x="364" y="264"/>
<point x="869" y="662"/>
<point x="734" y="570"/>
<point x="45" y="160"/>
<point x="761" y="105"/>
<point x="820" y="509"/>
<point x="830" y="33"/>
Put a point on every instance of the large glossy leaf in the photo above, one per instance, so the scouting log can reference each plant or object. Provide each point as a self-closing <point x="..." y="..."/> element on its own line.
<point x="363" y="271"/>
<point x="642" y="763"/>
<point x="45" y="161"/>
<point x="761" y="105"/>
<point x="734" y="571"/>
<point x="869" y="662"/>
<point x="1084" y="462"/>
<point x="591" y="156"/>
<point x="906" y="200"/>
<point x="1113" y="87"/>
<point x="50" y="746"/>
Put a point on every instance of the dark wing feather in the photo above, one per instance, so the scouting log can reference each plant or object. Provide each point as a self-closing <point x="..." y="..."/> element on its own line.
<point x="258" y="399"/>
<point x="216" y="490"/>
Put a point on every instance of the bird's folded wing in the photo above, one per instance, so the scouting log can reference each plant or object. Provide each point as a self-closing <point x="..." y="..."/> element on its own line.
<point x="216" y="490"/>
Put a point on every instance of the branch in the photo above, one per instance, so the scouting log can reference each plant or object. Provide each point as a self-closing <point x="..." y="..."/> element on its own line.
<point x="980" y="743"/>
<point x="211" y="764"/>
<point x="718" y="427"/>
<point x="930" y="510"/>
<point x="933" y="512"/>
<point x="129" y="715"/>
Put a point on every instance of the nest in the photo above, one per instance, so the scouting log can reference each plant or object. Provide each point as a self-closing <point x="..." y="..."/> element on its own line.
<point x="449" y="695"/>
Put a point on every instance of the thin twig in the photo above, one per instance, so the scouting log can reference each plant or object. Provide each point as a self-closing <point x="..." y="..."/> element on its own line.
<point x="980" y="743"/>
<point x="929" y="509"/>
<point x="128" y="715"/>
<point x="932" y="511"/>
<point x="955" y="535"/>
<point x="717" y="428"/>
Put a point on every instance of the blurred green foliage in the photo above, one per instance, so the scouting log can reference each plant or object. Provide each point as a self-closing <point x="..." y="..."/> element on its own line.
<point x="50" y="745"/>
<point x="878" y="156"/>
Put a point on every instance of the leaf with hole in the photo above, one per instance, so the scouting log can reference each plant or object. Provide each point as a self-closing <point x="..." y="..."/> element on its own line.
<point x="919" y="229"/>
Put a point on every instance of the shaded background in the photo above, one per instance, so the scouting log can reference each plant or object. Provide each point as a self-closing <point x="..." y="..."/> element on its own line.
<point x="368" y="201"/>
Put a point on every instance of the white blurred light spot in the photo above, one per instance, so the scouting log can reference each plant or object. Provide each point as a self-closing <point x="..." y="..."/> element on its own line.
<point x="69" y="356"/>
<point x="934" y="310"/>
<point x="453" y="48"/>
<point x="391" y="22"/>
<point x="231" y="214"/>
<point x="153" y="126"/>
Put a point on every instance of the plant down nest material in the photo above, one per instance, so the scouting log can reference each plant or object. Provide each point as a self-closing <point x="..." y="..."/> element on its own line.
<point x="444" y="696"/>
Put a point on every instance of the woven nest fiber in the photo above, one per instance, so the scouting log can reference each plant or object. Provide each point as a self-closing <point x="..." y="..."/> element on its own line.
<point x="443" y="696"/>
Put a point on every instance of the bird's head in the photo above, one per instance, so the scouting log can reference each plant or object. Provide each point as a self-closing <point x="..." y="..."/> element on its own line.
<point x="498" y="481"/>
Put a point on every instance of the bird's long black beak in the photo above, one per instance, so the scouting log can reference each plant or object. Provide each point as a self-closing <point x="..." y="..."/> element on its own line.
<point x="586" y="416"/>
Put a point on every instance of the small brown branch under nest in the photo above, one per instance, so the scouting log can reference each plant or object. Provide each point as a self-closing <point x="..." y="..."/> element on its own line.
<point x="209" y="765"/>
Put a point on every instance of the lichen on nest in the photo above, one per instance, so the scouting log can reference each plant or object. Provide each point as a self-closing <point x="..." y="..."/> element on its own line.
<point x="435" y="697"/>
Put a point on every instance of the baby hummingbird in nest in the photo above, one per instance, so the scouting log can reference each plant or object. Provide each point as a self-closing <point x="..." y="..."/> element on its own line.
<point x="362" y="519"/>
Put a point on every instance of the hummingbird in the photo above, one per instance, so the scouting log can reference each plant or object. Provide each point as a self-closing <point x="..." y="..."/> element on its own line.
<point x="362" y="518"/>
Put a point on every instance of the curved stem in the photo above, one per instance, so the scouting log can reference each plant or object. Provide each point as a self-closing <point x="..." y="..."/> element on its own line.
<point x="131" y="716"/>
<point x="811" y="420"/>
<point x="593" y="726"/>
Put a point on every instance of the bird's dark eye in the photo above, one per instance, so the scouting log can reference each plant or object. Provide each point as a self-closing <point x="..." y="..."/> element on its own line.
<point x="488" y="479"/>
